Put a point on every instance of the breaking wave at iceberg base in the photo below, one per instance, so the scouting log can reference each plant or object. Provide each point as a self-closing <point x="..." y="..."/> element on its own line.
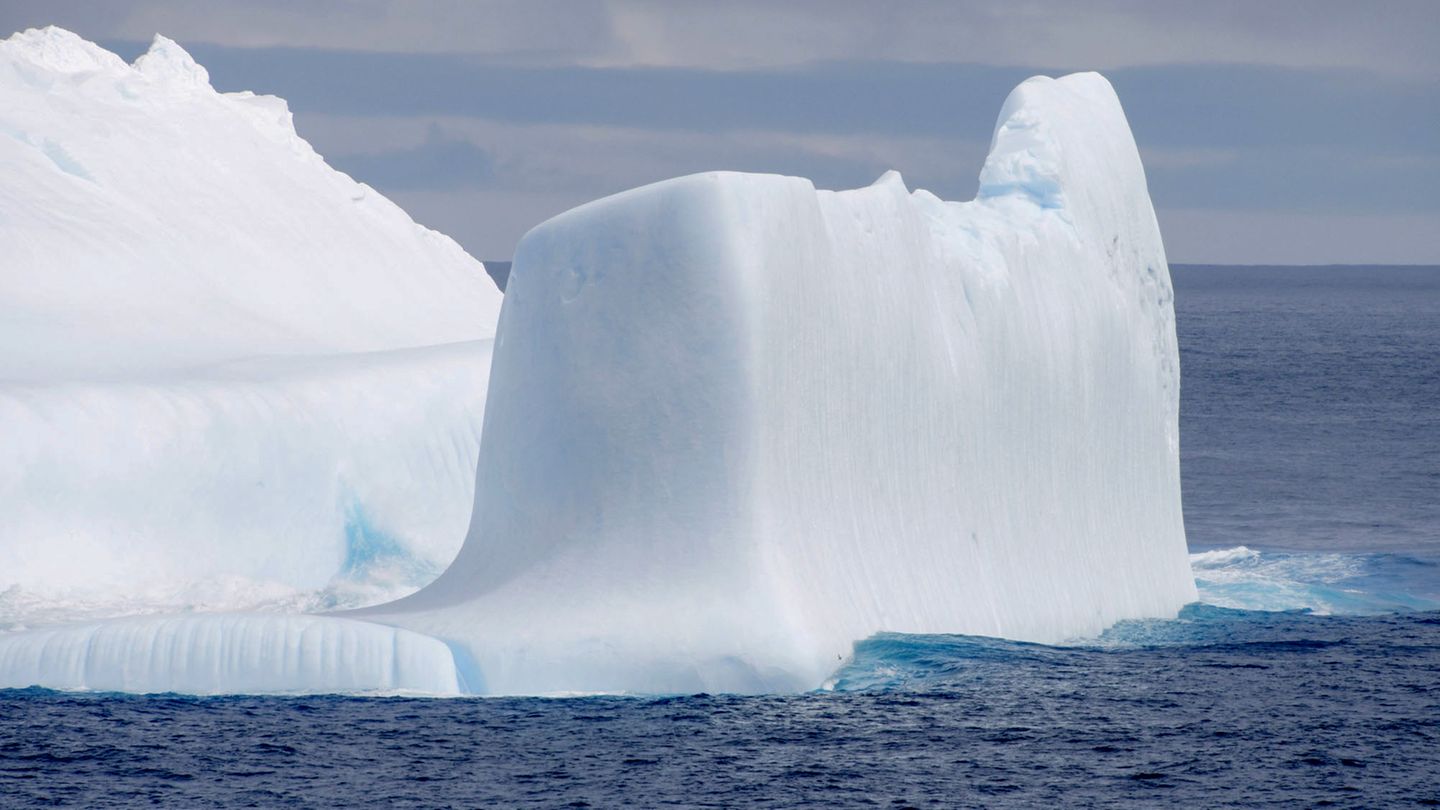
<point x="1323" y="583"/>
<point x="1253" y="605"/>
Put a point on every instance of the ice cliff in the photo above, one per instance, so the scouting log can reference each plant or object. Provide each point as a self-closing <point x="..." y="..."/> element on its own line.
<point x="228" y="373"/>
<point x="735" y="424"/>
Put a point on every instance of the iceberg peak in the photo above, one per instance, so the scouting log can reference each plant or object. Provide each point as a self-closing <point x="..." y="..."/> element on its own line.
<point x="891" y="178"/>
<point x="58" y="50"/>
<point x="228" y="163"/>
<point x="167" y="61"/>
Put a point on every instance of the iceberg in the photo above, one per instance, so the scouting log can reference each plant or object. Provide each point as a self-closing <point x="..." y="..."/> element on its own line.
<point x="296" y="483"/>
<point x="735" y="424"/>
<point x="230" y="376"/>
<point x="151" y="223"/>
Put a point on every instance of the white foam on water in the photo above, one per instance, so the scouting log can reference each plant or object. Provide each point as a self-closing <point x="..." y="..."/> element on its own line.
<point x="1323" y="583"/>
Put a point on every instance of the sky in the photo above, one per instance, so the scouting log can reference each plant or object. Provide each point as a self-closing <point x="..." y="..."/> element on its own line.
<point x="1278" y="132"/>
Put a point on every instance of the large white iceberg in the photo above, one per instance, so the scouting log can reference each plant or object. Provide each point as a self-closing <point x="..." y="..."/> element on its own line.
<point x="735" y="424"/>
<point x="229" y="374"/>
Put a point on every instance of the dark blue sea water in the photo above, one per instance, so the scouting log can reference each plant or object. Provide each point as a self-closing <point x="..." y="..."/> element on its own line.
<point x="1310" y="407"/>
<point x="1310" y="429"/>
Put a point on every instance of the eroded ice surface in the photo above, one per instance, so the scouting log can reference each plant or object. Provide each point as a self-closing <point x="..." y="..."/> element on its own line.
<point x="294" y="483"/>
<point x="230" y="376"/>
<point x="736" y="424"/>
<point x="148" y="222"/>
<point x="233" y="653"/>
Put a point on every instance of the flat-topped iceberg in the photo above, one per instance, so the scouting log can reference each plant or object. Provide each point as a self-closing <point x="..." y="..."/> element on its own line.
<point x="229" y="375"/>
<point x="735" y="424"/>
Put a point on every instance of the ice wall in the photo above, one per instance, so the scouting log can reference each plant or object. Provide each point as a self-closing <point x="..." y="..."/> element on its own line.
<point x="229" y="375"/>
<point x="736" y="423"/>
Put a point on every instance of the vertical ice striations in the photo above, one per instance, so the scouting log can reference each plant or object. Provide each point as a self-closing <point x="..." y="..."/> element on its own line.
<point x="968" y="413"/>
<point x="736" y="424"/>
<point x="233" y="653"/>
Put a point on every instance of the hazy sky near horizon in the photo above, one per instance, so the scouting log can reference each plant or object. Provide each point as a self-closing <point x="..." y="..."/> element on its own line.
<point x="1272" y="132"/>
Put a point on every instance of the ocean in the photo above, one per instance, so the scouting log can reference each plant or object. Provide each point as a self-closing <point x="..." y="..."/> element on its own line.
<point x="1308" y="674"/>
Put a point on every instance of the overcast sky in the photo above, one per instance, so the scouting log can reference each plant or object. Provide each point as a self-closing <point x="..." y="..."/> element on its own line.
<point x="1272" y="132"/>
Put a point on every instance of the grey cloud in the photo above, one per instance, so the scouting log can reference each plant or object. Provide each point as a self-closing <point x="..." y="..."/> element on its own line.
<point x="1212" y="106"/>
<point x="1233" y="131"/>
<point x="92" y="19"/>
<point x="1301" y="179"/>
<point x="1290" y="237"/>
<point x="1306" y="140"/>
<point x="1393" y="36"/>
<point x="428" y="155"/>
<point x="440" y="163"/>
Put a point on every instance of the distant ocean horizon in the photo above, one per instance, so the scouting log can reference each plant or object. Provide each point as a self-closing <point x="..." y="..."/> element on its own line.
<point x="499" y="269"/>
<point x="1305" y="676"/>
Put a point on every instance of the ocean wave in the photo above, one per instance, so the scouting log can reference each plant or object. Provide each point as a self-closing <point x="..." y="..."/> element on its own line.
<point x="1202" y="635"/>
<point x="1323" y="583"/>
<point x="1255" y="607"/>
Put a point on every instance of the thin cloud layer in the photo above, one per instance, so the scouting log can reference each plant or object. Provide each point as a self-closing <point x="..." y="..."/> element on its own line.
<point x="1318" y="118"/>
<point x="1394" y="36"/>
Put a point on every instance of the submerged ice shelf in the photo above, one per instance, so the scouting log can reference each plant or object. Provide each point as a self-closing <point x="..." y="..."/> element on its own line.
<point x="231" y="653"/>
<point x="230" y="376"/>
<point x="735" y="424"/>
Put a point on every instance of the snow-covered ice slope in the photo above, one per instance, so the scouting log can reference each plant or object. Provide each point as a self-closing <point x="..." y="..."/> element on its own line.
<point x="297" y="483"/>
<point x="736" y="424"/>
<point x="149" y="222"/>
<point x="228" y="373"/>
